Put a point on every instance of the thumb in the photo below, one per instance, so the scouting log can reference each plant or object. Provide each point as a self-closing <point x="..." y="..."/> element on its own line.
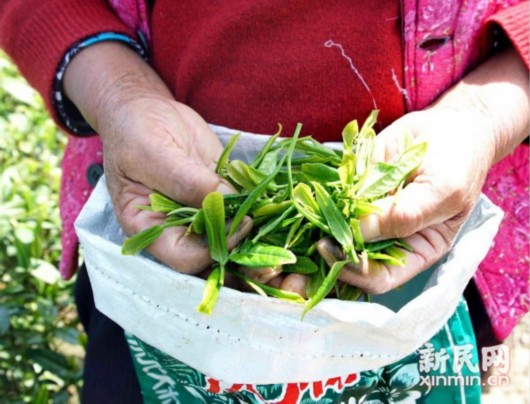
<point x="413" y="208"/>
<point x="185" y="175"/>
<point x="191" y="181"/>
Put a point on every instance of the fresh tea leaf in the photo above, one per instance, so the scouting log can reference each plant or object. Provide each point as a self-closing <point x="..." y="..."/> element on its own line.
<point x="384" y="178"/>
<point x="397" y="253"/>
<point x="362" y="208"/>
<point x="403" y="244"/>
<point x="262" y="255"/>
<point x="273" y="224"/>
<point x="290" y="157"/>
<point x="308" y="207"/>
<point x="211" y="291"/>
<point x="378" y="245"/>
<point x="163" y="204"/>
<point x="317" y="152"/>
<point x="134" y="244"/>
<point x="347" y="165"/>
<point x="199" y="223"/>
<point x="355" y="225"/>
<point x="238" y="172"/>
<point x="337" y="224"/>
<point x="369" y="123"/>
<point x="320" y="172"/>
<point x="349" y="293"/>
<point x="349" y="134"/>
<point x="245" y="207"/>
<point x="293" y="228"/>
<point x="225" y="155"/>
<point x="266" y="149"/>
<point x="365" y="145"/>
<point x="270" y="161"/>
<point x="385" y="258"/>
<point x="214" y="220"/>
<point x="272" y="209"/>
<point x="256" y="192"/>
<point x="326" y="286"/>
<point x="266" y="290"/>
<point x="315" y="279"/>
<point x="303" y="265"/>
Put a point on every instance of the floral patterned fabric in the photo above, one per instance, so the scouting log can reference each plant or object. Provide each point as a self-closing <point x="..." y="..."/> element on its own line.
<point x="134" y="14"/>
<point x="502" y="277"/>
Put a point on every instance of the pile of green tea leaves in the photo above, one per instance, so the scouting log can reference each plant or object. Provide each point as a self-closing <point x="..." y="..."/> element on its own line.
<point x="297" y="191"/>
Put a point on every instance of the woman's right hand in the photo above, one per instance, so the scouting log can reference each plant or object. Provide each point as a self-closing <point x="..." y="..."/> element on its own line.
<point x="150" y="143"/>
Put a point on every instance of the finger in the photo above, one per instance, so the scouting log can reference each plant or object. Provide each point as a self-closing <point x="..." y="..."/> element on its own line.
<point x="417" y="206"/>
<point x="188" y="252"/>
<point x="188" y="182"/>
<point x="176" y="247"/>
<point x="183" y="178"/>
<point x="178" y="158"/>
<point x="261" y="275"/>
<point x="389" y="142"/>
<point x="185" y="253"/>
<point x="295" y="283"/>
<point x="375" y="277"/>
<point x="276" y="282"/>
<point x="231" y="280"/>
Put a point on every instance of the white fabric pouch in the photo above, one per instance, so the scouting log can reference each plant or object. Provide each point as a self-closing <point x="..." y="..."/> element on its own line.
<point x="252" y="339"/>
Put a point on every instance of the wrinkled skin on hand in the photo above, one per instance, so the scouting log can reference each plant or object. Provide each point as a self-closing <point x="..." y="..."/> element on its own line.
<point x="164" y="146"/>
<point x="150" y="143"/>
<point x="473" y="125"/>
<point x="431" y="209"/>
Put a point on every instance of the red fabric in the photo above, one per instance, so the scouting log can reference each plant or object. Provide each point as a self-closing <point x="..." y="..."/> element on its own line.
<point x="249" y="65"/>
<point x="36" y="34"/>
<point x="515" y="23"/>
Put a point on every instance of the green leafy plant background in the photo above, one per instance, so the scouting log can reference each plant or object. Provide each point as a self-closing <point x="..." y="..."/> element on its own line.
<point x="41" y="342"/>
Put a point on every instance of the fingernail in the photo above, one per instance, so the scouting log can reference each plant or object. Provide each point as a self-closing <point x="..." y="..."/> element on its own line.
<point x="276" y="282"/>
<point x="295" y="283"/>
<point x="242" y="230"/>
<point x="330" y="251"/>
<point x="261" y="275"/>
<point x="361" y="268"/>
<point x="199" y="240"/>
<point x="225" y="188"/>
<point x="370" y="227"/>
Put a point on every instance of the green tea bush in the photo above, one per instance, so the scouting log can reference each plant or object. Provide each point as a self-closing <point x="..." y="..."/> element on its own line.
<point x="41" y="345"/>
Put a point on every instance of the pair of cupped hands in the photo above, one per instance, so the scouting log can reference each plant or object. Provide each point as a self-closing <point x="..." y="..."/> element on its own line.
<point x="153" y="143"/>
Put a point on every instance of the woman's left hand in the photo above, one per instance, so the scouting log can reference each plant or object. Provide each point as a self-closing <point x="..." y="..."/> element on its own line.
<point x="471" y="127"/>
<point x="430" y="210"/>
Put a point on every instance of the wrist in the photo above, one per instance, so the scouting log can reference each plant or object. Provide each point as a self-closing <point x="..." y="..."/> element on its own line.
<point x="464" y="107"/>
<point x="106" y="77"/>
<point x="496" y="94"/>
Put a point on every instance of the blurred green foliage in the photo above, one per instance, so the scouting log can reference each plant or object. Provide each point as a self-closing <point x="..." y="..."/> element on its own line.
<point x="41" y="345"/>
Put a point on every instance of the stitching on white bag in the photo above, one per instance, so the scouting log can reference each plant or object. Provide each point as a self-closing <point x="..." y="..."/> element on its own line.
<point x="227" y="335"/>
<point x="159" y="306"/>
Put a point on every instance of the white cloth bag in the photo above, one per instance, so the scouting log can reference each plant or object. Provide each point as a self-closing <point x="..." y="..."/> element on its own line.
<point x="252" y="339"/>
